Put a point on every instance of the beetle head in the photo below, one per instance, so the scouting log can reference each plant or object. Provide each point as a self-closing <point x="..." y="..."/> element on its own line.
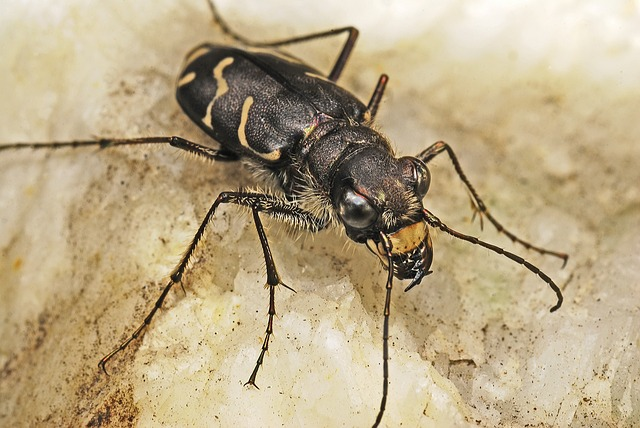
<point x="378" y="199"/>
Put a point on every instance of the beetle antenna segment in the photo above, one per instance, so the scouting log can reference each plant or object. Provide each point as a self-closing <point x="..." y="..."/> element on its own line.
<point x="376" y="97"/>
<point x="480" y="208"/>
<point x="386" y="243"/>
<point x="435" y="222"/>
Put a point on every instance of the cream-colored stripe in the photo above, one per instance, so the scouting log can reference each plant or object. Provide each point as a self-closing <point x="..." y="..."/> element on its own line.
<point x="244" y="116"/>
<point x="187" y="78"/>
<point x="195" y="55"/>
<point x="221" y="88"/>
<point x="242" y="135"/>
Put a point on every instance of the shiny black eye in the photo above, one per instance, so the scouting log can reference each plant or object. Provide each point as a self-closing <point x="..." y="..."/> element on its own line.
<point x="355" y="210"/>
<point x="422" y="177"/>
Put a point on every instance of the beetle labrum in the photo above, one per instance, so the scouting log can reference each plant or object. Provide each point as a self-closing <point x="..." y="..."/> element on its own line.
<point x="315" y="141"/>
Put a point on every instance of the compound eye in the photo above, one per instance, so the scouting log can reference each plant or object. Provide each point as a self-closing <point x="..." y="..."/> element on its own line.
<point x="355" y="210"/>
<point x="422" y="177"/>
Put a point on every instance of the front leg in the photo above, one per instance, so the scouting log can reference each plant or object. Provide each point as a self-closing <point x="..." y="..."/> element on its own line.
<point x="277" y="207"/>
<point x="273" y="280"/>
<point x="284" y="210"/>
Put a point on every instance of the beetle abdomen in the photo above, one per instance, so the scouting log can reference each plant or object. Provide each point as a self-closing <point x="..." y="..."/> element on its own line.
<point x="257" y="104"/>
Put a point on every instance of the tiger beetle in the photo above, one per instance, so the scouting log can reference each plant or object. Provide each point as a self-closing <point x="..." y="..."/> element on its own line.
<point x="316" y="141"/>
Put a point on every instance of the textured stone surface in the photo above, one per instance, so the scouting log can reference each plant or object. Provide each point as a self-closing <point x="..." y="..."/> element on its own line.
<point x="540" y="102"/>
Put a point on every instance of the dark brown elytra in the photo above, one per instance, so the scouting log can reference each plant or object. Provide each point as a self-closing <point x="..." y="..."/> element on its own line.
<point x="314" y="140"/>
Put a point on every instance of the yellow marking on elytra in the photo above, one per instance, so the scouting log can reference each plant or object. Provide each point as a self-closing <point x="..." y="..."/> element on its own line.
<point x="196" y="54"/>
<point x="221" y="87"/>
<point x="242" y="134"/>
<point x="244" y="116"/>
<point x="187" y="78"/>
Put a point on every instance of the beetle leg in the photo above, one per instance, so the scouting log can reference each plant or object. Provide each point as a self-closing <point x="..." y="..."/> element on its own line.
<point x="277" y="207"/>
<point x="439" y="147"/>
<point x="338" y="66"/>
<point x="175" y="277"/>
<point x="374" y="102"/>
<point x="177" y="142"/>
<point x="273" y="280"/>
<point x="282" y="210"/>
